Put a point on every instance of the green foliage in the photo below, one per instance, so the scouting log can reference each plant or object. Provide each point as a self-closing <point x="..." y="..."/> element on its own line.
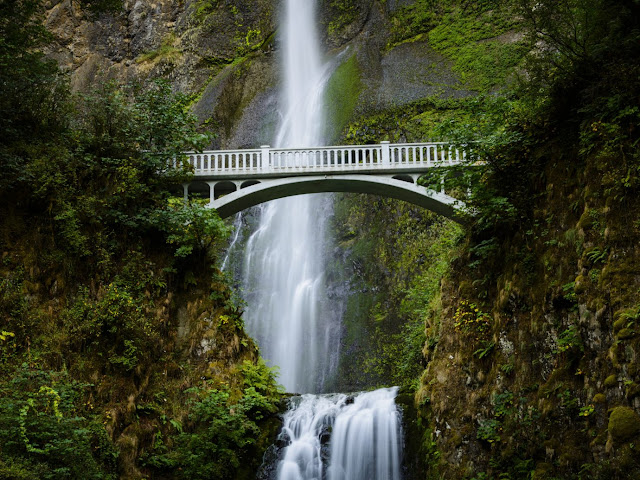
<point x="223" y="428"/>
<point x="503" y="404"/>
<point x="213" y="451"/>
<point x="586" y="411"/>
<point x="484" y="350"/>
<point x="192" y="228"/>
<point x="629" y="316"/>
<point x="569" y="292"/>
<point x="30" y="87"/>
<point x="597" y="255"/>
<point x="473" y="322"/>
<point x="570" y="340"/>
<point x="43" y="431"/>
<point x="508" y="368"/>
<point x="111" y="174"/>
<point x="489" y="430"/>
<point x="114" y="325"/>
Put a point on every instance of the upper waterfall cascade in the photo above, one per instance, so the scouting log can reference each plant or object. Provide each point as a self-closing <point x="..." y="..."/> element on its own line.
<point x="283" y="269"/>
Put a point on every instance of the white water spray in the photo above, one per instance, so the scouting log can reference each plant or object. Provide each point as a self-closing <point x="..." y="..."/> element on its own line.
<point x="284" y="282"/>
<point x="365" y="438"/>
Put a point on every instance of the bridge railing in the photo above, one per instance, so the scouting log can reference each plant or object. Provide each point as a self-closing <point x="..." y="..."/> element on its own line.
<point x="267" y="160"/>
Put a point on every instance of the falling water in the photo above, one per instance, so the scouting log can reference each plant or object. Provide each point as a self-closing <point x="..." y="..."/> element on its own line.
<point x="288" y="310"/>
<point x="365" y="438"/>
<point x="284" y="282"/>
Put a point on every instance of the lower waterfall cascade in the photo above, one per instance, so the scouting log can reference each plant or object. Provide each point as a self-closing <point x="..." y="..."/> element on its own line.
<point x="365" y="437"/>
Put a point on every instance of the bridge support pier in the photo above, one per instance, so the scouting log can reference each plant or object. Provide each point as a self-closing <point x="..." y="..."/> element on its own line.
<point x="211" y="192"/>
<point x="185" y="188"/>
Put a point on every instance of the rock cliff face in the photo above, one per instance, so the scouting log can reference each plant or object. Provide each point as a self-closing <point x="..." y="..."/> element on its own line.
<point x="222" y="53"/>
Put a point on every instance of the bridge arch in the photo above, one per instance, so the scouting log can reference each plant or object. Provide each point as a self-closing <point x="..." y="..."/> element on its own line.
<point x="224" y="188"/>
<point x="249" y="183"/>
<point x="401" y="189"/>
<point x="405" y="178"/>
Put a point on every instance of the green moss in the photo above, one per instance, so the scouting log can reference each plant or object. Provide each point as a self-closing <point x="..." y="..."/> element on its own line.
<point x="341" y="96"/>
<point x="167" y="52"/>
<point x="203" y="8"/>
<point x="626" y="333"/>
<point x="619" y="324"/>
<point x="580" y="284"/>
<point x="599" y="398"/>
<point x="586" y="221"/>
<point x="344" y="13"/>
<point x="466" y="36"/>
<point x="633" y="390"/>
<point x="611" y="381"/>
<point x="543" y="471"/>
<point x="624" y="423"/>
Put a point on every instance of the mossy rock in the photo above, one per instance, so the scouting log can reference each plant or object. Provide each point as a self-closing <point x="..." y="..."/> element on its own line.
<point x="624" y="424"/>
<point x="601" y="439"/>
<point x="627" y="458"/>
<point x="543" y="471"/>
<point x="599" y="398"/>
<point x="619" y="324"/>
<point x="626" y="333"/>
<point x="633" y="390"/>
<point x="611" y="381"/>
<point x="585" y="221"/>
<point x="342" y="92"/>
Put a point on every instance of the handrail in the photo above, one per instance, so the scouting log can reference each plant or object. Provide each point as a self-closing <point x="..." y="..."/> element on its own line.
<point x="324" y="159"/>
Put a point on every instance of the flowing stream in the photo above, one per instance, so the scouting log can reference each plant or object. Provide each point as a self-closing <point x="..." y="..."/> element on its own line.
<point x="327" y="437"/>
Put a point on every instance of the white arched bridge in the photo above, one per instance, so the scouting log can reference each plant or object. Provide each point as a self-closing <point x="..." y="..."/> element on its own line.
<point x="239" y="179"/>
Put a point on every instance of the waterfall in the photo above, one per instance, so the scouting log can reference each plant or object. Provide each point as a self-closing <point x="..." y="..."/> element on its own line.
<point x="283" y="269"/>
<point x="365" y="437"/>
<point x="288" y="311"/>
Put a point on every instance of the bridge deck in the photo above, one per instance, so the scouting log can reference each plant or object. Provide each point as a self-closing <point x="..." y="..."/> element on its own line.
<point x="265" y="162"/>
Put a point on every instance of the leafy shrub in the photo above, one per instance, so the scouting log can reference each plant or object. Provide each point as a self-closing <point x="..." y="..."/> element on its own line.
<point x="223" y="429"/>
<point x="116" y="321"/>
<point x="570" y="339"/>
<point x="471" y="321"/>
<point x="192" y="228"/>
<point x="43" y="432"/>
<point x="489" y="430"/>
